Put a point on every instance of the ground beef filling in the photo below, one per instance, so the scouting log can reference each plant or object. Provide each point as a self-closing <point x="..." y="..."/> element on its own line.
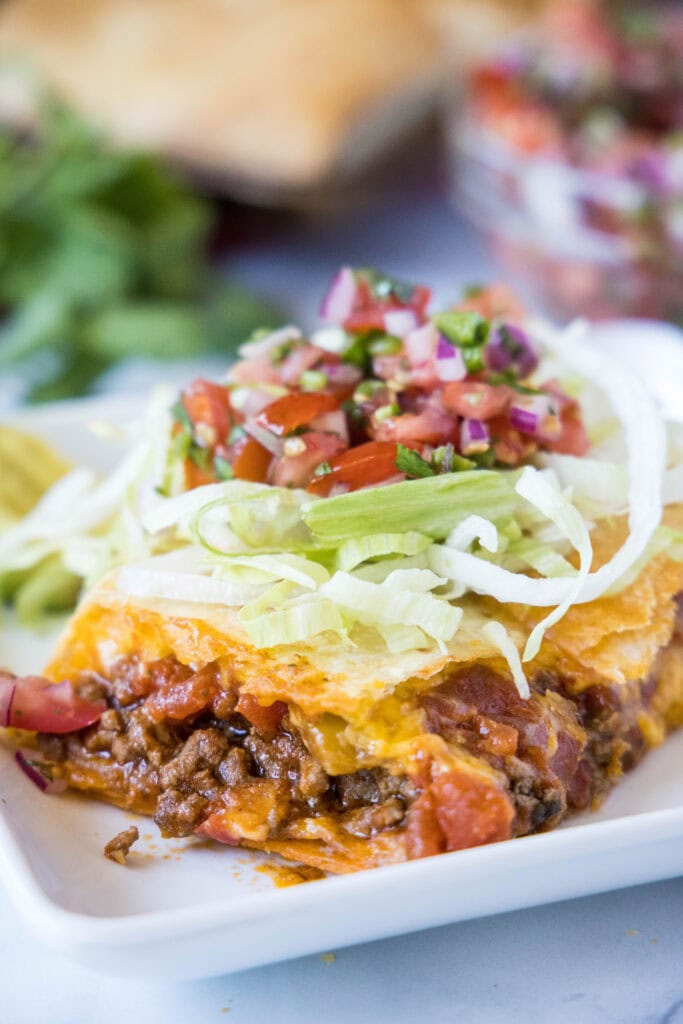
<point x="192" y="751"/>
<point x="146" y="754"/>
<point x="559" y="751"/>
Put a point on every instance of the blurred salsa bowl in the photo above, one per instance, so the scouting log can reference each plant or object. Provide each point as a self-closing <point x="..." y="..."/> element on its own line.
<point x="568" y="154"/>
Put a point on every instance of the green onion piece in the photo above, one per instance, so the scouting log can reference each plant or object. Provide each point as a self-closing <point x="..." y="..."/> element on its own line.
<point x="357" y="352"/>
<point x="385" y="345"/>
<point x="368" y="388"/>
<point x="463" y="329"/>
<point x="446" y="460"/>
<point x="385" y="412"/>
<point x="433" y="506"/>
<point x="474" y="358"/>
<point x="323" y="469"/>
<point x="312" y="380"/>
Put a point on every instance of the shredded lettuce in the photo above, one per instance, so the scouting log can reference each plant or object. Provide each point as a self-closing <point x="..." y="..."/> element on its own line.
<point x="150" y="581"/>
<point x="248" y="568"/>
<point x="530" y="553"/>
<point x="294" y="623"/>
<point x="499" y="636"/>
<point x="471" y="529"/>
<point x="548" y="500"/>
<point x="433" y="506"/>
<point x="385" y="604"/>
<point x="357" y="550"/>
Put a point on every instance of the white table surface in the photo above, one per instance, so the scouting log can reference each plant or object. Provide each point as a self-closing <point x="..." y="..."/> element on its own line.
<point x="611" y="958"/>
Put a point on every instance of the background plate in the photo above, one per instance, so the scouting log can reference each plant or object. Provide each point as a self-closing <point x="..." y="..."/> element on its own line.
<point x="186" y="909"/>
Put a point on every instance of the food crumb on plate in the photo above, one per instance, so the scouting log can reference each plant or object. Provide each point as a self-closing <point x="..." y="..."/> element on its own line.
<point x="118" y="848"/>
<point x="284" y="876"/>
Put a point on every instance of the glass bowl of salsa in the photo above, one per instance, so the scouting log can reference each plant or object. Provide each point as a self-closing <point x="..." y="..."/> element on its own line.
<point x="568" y="154"/>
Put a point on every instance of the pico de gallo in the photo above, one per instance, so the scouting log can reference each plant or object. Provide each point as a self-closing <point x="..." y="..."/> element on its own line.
<point x="577" y="130"/>
<point x="384" y="391"/>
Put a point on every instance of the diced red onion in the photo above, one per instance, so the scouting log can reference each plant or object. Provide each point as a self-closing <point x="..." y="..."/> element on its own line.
<point x="474" y="437"/>
<point x="254" y="402"/>
<point x="274" y="444"/>
<point x="444" y="348"/>
<point x="509" y="348"/>
<point x="449" y="364"/>
<point x="338" y="303"/>
<point x="332" y="423"/>
<point x="302" y="358"/>
<point x="420" y="344"/>
<point x="535" y="415"/>
<point x="400" y="322"/>
<point x="342" y="374"/>
<point x="264" y="346"/>
<point x="6" y="699"/>
<point x="29" y="762"/>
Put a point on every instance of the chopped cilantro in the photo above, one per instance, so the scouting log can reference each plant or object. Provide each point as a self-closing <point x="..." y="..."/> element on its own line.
<point x="385" y="345"/>
<point x="323" y="469"/>
<point x="383" y="286"/>
<point x="235" y="434"/>
<point x="180" y="414"/>
<point x="411" y="463"/>
<point x="224" y="470"/>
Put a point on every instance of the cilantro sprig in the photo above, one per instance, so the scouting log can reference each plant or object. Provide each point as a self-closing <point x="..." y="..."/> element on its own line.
<point x="103" y="255"/>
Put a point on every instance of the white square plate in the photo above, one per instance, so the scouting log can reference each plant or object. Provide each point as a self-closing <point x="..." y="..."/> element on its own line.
<point x="187" y="910"/>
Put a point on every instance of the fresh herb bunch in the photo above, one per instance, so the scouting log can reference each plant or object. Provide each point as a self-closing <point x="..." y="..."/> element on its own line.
<point x="103" y="255"/>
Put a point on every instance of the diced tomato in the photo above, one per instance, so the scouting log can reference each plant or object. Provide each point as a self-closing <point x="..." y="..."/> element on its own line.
<point x="296" y="468"/>
<point x="254" y="371"/>
<point x="470" y="809"/>
<point x="368" y="312"/>
<point x="523" y="123"/>
<point x="32" y="702"/>
<point x="197" y="477"/>
<point x="474" y="399"/>
<point x="496" y="300"/>
<point x="368" y="464"/>
<point x="218" y="827"/>
<point x="286" y="414"/>
<point x="178" y="699"/>
<point x="434" y="425"/>
<point x="496" y="737"/>
<point x="424" y="837"/>
<point x="573" y="440"/>
<point x="208" y="406"/>
<point x="300" y="359"/>
<point x="510" y="446"/>
<point x="455" y="811"/>
<point x="250" y="811"/>
<point x="264" y="717"/>
<point x="249" y="459"/>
